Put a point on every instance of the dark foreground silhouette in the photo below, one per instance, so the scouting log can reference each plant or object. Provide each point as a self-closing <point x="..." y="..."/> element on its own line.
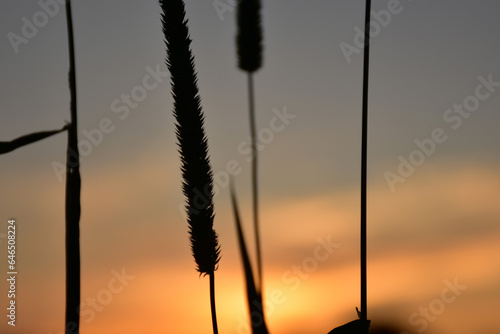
<point x="8" y="146"/>
<point x="358" y="326"/>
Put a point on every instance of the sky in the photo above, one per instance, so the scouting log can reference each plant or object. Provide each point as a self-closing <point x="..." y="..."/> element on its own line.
<point x="433" y="162"/>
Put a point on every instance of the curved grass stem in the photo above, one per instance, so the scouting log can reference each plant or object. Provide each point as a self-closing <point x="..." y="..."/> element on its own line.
<point x="364" y="145"/>
<point x="212" y="302"/>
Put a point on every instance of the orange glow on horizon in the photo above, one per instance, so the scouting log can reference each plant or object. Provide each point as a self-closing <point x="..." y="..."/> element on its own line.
<point x="305" y="290"/>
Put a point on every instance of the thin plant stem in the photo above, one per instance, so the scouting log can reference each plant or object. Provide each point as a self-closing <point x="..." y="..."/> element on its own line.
<point x="364" y="144"/>
<point x="212" y="302"/>
<point x="73" y="209"/>
<point x="255" y="195"/>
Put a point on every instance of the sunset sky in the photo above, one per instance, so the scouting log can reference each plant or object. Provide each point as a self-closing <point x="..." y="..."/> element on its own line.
<point x="433" y="166"/>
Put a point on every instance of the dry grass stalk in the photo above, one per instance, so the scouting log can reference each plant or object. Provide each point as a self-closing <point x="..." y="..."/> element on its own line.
<point x="192" y="141"/>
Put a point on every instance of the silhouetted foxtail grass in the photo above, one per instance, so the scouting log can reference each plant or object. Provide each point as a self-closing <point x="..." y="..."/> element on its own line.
<point x="249" y="38"/>
<point x="193" y="147"/>
<point x="249" y="49"/>
<point x="73" y="186"/>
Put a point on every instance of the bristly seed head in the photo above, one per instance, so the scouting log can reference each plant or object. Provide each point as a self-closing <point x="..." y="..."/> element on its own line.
<point x="249" y="38"/>
<point x="193" y="147"/>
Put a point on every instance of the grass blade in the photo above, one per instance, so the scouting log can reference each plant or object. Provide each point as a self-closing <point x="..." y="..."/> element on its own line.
<point x="8" y="146"/>
<point x="254" y="298"/>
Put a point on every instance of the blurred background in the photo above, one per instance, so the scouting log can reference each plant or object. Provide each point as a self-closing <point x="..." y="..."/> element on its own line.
<point x="434" y="181"/>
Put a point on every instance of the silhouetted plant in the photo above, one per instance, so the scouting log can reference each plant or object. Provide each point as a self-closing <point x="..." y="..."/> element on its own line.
<point x="254" y="297"/>
<point x="249" y="50"/>
<point x="193" y="147"/>
<point x="73" y="186"/>
<point x="358" y="326"/>
<point x="249" y="47"/>
<point x="8" y="146"/>
<point x="364" y="149"/>
<point x="249" y="38"/>
<point x="362" y="325"/>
